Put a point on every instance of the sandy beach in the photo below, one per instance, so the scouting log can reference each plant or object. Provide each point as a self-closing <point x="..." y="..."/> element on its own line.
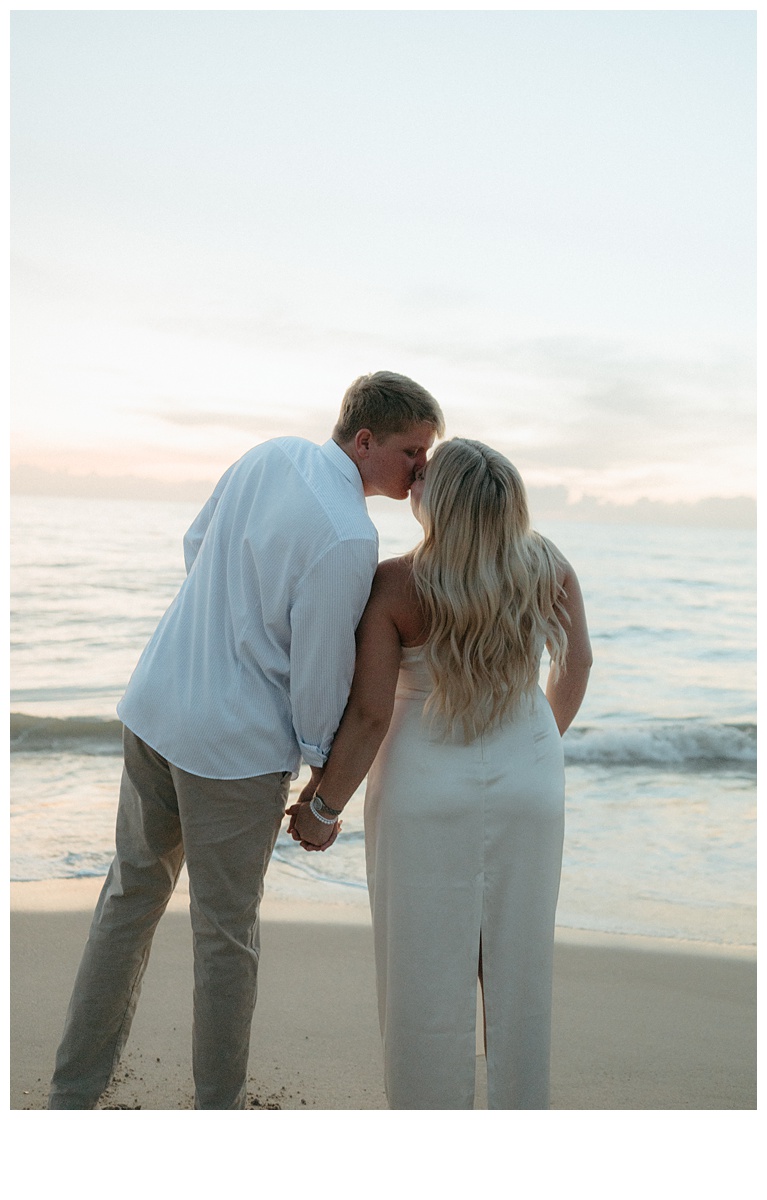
<point x="639" y="1023"/>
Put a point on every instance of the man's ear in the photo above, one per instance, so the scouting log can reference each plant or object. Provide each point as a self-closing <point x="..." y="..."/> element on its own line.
<point x="362" y="440"/>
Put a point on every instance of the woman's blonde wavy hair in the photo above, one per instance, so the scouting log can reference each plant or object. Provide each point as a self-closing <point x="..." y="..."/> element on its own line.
<point x="488" y="585"/>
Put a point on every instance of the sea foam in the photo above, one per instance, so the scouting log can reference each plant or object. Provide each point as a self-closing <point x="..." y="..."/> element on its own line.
<point x="685" y="745"/>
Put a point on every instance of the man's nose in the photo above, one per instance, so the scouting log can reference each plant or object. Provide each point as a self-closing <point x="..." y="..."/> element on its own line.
<point x="420" y="460"/>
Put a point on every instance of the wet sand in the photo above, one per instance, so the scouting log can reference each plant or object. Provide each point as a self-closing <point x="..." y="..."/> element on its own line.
<point x="639" y="1023"/>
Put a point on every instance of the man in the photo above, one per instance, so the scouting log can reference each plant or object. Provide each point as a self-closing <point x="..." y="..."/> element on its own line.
<point x="247" y="673"/>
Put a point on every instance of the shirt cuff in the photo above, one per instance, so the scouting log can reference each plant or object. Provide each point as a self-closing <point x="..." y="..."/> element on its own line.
<point x="313" y="756"/>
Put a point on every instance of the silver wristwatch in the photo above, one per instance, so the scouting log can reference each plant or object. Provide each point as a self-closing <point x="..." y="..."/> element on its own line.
<point x="314" y="806"/>
<point x="325" y="808"/>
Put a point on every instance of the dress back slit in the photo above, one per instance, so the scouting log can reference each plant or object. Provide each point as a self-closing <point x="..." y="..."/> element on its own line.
<point x="464" y="844"/>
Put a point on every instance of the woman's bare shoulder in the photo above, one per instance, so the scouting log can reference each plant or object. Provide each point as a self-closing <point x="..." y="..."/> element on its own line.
<point x="393" y="574"/>
<point x="394" y="592"/>
<point x="563" y="567"/>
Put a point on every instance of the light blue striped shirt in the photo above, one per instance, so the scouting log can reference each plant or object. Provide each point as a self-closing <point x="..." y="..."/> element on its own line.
<point x="249" y="669"/>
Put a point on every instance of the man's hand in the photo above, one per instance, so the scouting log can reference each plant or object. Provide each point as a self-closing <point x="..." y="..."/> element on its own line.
<point x="306" y="829"/>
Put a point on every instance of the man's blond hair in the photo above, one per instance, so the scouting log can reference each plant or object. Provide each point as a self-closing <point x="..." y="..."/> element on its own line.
<point x="386" y="403"/>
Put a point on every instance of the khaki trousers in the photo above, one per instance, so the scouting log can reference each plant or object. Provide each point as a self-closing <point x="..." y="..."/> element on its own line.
<point x="226" y="830"/>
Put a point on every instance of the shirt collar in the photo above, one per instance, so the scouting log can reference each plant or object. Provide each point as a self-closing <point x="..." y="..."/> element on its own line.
<point x="341" y="460"/>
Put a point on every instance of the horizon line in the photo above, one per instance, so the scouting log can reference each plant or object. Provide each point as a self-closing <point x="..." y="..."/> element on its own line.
<point x="550" y="501"/>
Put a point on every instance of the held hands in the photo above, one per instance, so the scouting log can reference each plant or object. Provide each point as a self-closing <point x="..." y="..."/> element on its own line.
<point x="306" y="829"/>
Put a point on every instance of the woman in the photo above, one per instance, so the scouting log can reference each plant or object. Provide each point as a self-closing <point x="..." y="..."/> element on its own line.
<point x="465" y="800"/>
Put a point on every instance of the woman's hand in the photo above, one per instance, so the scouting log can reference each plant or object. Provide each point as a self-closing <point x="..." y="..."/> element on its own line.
<point x="306" y="829"/>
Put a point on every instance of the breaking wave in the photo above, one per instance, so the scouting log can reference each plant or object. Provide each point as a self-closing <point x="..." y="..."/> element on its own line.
<point x="80" y="735"/>
<point x="680" y="745"/>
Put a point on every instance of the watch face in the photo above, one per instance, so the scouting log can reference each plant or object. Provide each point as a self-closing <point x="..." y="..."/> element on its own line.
<point x="320" y="810"/>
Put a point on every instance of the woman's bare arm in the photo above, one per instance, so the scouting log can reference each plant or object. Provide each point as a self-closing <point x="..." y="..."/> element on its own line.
<point x="368" y="710"/>
<point x="565" y="693"/>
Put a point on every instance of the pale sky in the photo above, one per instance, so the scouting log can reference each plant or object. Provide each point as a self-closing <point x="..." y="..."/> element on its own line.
<point x="545" y="217"/>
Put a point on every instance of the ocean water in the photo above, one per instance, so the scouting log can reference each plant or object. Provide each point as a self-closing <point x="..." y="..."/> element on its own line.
<point x="661" y="761"/>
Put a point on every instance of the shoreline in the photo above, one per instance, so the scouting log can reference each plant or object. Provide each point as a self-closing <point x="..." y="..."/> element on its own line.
<point x="340" y="907"/>
<point x="638" y="1023"/>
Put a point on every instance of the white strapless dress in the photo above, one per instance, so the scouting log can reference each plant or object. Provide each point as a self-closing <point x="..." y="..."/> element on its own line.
<point x="464" y="848"/>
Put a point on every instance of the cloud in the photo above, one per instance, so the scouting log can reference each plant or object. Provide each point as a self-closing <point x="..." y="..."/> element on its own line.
<point x="30" y="480"/>
<point x="546" y="504"/>
<point x="612" y="418"/>
<point x="713" y="511"/>
<point x="620" y="421"/>
<point x="262" y="424"/>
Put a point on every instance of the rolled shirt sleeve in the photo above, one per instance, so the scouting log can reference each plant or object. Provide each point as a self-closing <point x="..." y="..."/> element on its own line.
<point x="324" y="618"/>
